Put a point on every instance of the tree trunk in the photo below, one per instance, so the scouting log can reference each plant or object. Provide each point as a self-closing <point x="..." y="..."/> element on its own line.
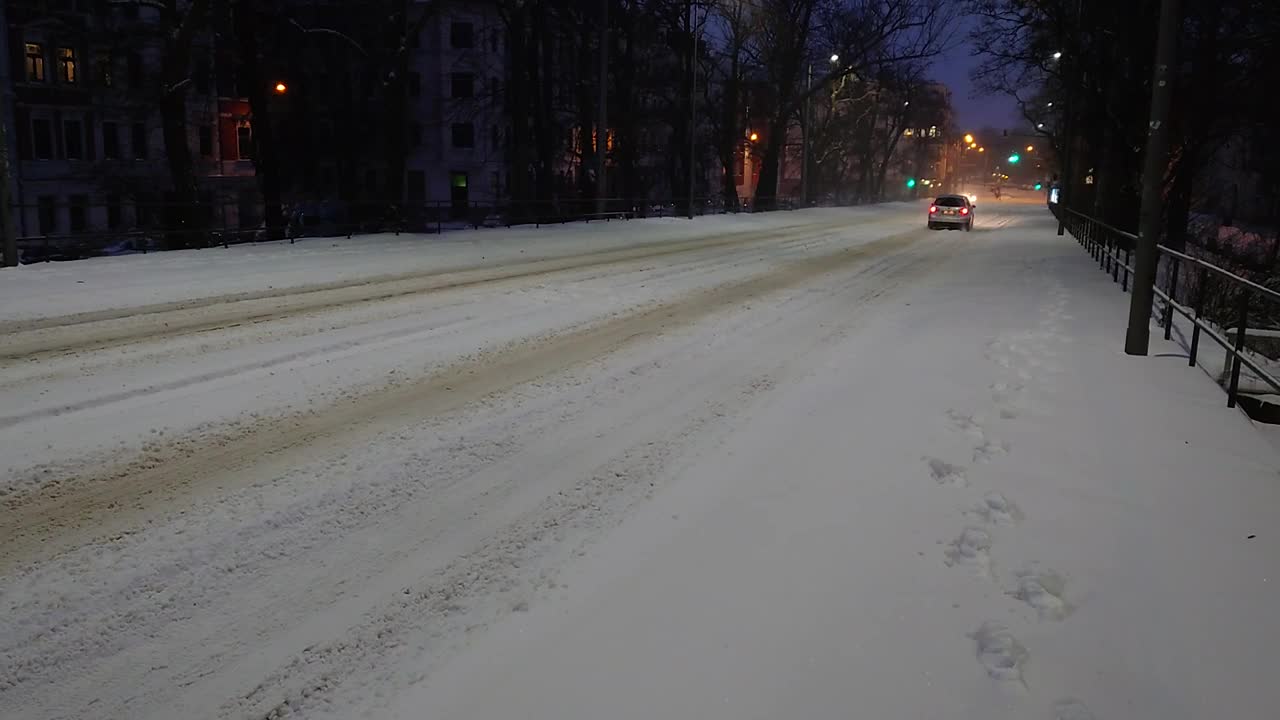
<point x="265" y="157"/>
<point x="181" y="217"/>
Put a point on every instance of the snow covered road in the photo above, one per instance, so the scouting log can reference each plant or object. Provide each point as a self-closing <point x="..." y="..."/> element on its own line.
<point x="817" y="464"/>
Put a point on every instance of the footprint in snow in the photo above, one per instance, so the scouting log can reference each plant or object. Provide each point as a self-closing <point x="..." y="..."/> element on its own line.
<point x="988" y="451"/>
<point x="1070" y="709"/>
<point x="944" y="473"/>
<point x="996" y="509"/>
<point x="1000" y="653"/>
<point x="967" y="424"/>
<point x="973" y="550"/>
<point x="1044" y="591"/>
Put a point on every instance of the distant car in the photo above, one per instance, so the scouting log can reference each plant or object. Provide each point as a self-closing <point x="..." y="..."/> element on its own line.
<point x="951" y="212"/>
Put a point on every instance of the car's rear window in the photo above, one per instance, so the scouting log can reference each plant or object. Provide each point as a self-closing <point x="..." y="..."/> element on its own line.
<point x="949" y="202"/>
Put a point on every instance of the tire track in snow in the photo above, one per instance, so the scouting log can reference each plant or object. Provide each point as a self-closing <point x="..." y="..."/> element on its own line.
<point x="436" y="605"/>
<point x="120" y="498"/>
<point x="32" y="339"/>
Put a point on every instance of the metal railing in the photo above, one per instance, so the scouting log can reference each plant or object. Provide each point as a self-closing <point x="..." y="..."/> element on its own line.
<point x="1187" y="286"/>
<point x="141" y="227"/>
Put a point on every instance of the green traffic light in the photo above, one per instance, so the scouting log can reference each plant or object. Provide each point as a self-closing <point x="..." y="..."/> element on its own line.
<point x="1014" y="158"/>
<point x="911" y="182"/>
<point x="1039" y="186"/>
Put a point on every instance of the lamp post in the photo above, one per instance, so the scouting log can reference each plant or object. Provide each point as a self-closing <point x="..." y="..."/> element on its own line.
<point x="805" y="132"/>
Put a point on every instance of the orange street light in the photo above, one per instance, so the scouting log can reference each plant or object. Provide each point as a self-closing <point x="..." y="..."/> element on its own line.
<point x="982" y="149"/>
<point x="281" y="88"/>
<point x="968" y="137"/>
<point x="755" y="137"/>
<point x="1031" y="148"/>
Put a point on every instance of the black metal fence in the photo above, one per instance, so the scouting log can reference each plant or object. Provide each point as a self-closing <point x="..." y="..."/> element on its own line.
<point x="1220" y="304"/>
<point x="77" y="231"/>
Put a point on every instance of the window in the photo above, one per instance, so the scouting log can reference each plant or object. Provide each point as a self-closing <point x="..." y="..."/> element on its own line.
<point x="417" y="190"/>
<point x="47" y="211"/>
<point x="106" y="75"/>
<point x="110" y="141"/>
<point x="244" y="141"/>
<point x="461" y="35"/>
<point x="142" y="210"/>
<point x="414" y="81"/>
<point x="41" y="139"/>
<point x="415" y="135"/>
<point x="206" y="141"/>
<point x="35" y="62"/>
<point x="201" y="76"/>
<point x="67" y="67"/>
<point x="135" y="70"/>
<point x="73" y="136"/>
<point x="114" y="214"/>
<point x="462" y="85"/>
<point x="139" y="141"/>
<point x="464" y="135"/>
<point x="78" y="212"/>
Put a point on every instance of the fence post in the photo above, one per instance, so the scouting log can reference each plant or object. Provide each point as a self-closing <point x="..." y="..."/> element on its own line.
<point x="1234" y="387"/>
<point x="1201" y="292"/>
<point x="1173" y="297"/>
<point x="1124" y="286"/>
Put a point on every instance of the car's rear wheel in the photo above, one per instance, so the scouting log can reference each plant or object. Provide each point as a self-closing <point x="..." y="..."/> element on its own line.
<point x="968" y="226"/>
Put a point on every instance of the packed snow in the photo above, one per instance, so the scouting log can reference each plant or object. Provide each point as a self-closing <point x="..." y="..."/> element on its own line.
<point x="811" y="464"/>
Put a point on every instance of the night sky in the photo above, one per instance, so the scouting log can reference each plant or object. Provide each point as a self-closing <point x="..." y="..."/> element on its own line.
<point x="972" y="111"/>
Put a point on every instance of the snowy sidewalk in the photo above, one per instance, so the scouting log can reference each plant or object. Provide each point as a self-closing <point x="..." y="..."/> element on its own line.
<point x="975" y="506"/>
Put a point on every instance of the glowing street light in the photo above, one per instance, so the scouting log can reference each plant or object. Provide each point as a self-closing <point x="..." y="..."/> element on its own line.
<point x="281" y="88"/>
<point x="968" y="137"/>
<point x="835" y="58"/>
<point x="1040" y="126"/>
<point x="1031" y="148"/>
<point x="1049" y="105"/>
<point x="982" y="149"/>
<point x="755" y="137"/>
<point x="1057" y="56"/>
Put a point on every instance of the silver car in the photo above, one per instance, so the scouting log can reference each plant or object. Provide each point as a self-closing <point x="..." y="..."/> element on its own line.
<point x="951" y="212"/>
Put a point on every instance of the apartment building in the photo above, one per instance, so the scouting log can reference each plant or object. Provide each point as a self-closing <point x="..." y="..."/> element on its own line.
<point x="457" y="110"/>
<point x="89" y="153"/>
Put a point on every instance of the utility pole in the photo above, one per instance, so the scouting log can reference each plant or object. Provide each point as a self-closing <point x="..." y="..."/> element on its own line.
<point x="1138" y="339"/>
<point x="602" y="123"/>
<point x="8" y="237"/>
<point x="804" y="141"/>
<point x="693" y="105"/>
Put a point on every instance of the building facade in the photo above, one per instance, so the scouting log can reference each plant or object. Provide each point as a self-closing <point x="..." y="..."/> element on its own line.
<point x="88" y="140"/>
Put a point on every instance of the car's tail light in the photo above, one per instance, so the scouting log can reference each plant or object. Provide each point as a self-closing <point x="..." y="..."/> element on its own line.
<point x="964" y="211"/>
<point x="933" y="209"/>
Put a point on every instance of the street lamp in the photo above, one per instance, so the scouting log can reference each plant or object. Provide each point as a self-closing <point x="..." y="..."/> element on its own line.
<point x="1049" y="105"/>
<point x="982" y="149"/>
<point x="1057" y="56"/>
<point x="1039" y="126"/>
<point x="281" y="88"/>
<point x="968" y="137"/>
<point x="1031" y="148"/>
<point x="755" y="137"/>
<point x="835" y="58"/>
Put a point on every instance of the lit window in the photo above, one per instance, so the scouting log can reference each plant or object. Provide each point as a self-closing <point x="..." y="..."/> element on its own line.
<point x="35" y="62"/>
<point x="67" y="65"/>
